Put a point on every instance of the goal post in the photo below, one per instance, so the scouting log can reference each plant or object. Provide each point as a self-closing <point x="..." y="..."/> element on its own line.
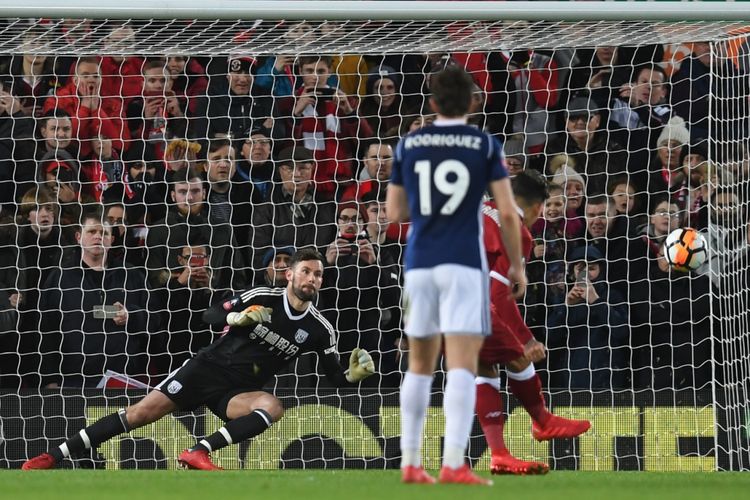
<point x="659" y="361"/>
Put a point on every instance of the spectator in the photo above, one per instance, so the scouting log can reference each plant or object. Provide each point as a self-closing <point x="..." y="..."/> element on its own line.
<point x="96" y="121"/>
<point x="667" y="174"/>
<point x="189" y="81"/>
<point x="93" y="314"/>
<point x="39" y="245"/>
<point x="256" y="165"/>
<point x="554" y="237"/>
<point x="643" y="102"/>
<point x="533" y="79"/>
<point x="16" y="148"/>
<point x="588" y="335"/>
<point x="297" y="215"/>
<point x="382" y="105"/>
<point x="625" y="196"/>
<point x="188" y="294"/>
<point x="664" y="217"/>
<point x="230" y="199"/>
<point x="187" y="219"/>
<point x="32" y="76"/>
<point x="327" y="124"/>
<point x="595" y="153"/>
<point x="600" y="227"/>
<point x="378" y="165"/>
<point x="725" y="234"/>
<point x="515" y="156"/>
<point x="121" y="75"/>
<point x="670" y="321"/>
<point x="276" y="262"/>
<point x="232" y="107"/>
<point x="157" y="114"/>
<point x="56" y="131"/>
<point x="691" y="89"/>
<point x="60" y="173"/>
<point x="574" y="188"/>
<point x="390" y="258"/>
<point x="352" y="284"/>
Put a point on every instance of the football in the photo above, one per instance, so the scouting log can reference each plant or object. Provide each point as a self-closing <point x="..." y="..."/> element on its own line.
<point x="685" y="249"/>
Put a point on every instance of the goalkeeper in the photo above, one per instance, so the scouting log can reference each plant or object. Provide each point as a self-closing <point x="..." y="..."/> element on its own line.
<point x="266" y="330"/>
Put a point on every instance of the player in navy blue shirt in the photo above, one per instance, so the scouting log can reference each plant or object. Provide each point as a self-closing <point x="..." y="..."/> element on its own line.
<point x="440" y="174"/>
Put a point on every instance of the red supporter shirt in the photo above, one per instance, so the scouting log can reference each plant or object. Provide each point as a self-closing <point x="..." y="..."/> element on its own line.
<point x="497" y="257"/>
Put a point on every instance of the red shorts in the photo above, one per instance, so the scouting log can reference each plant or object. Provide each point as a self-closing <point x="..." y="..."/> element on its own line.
<point x="509" y="332"/>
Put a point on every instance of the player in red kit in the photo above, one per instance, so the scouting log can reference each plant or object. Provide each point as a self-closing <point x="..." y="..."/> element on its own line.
<point x="511" y="343"/>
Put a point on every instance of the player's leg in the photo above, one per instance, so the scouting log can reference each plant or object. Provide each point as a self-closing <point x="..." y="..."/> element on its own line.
<point x="421" y="299"/>
<point x="461" y="353"/>
<point x="489" y="409"/>
<point x="150" y="409"/>
<point x="414" y="401"/>
<point x="525" y="384"/>
<point x="465" y="322"/>
<point x="246" y="413"/>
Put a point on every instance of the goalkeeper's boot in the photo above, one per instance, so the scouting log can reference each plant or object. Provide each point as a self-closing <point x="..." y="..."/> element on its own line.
<point x="508" y="464"/>
<point x="462" y="475"/>
<point x="197" y="459"/>
<point x="557" y="427"/>
<point x="43" y="461"/>
<point x="416" y="475"/>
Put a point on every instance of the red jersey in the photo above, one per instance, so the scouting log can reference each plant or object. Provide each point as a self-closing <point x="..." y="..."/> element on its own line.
<point x="497" y="257"/>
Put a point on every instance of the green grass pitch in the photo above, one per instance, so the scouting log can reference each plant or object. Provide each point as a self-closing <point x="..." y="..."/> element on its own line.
<point x="358" y="485"/>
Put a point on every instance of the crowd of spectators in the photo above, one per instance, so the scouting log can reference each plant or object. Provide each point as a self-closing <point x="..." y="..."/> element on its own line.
<point x="138" y="191"/>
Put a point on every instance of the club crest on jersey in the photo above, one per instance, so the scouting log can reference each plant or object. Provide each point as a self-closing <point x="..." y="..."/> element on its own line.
<point x="174" y="387"/>
<point x="300" y="336"/>
<point x="229" y="304"/>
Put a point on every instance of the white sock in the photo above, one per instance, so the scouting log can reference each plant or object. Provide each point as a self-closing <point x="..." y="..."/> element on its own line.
<point x="458" y="407"/>
<point x="414" y="400"/>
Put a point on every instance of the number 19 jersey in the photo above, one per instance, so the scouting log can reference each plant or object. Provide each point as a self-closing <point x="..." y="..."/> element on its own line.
<point x="445" y="170"/>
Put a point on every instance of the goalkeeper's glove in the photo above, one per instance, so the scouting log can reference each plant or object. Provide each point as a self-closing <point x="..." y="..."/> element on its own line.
<point x="361" y="365"/>
<point x="250" y="316"/>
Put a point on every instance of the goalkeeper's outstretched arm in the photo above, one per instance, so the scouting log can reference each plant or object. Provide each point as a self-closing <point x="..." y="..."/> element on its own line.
<point x="360" y="367"/>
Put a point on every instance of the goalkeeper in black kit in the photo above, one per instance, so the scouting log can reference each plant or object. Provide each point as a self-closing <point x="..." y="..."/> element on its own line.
<point x="266" y="329"/>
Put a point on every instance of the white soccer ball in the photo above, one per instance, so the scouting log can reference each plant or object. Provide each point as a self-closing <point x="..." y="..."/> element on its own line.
<point x="685" y="249"/>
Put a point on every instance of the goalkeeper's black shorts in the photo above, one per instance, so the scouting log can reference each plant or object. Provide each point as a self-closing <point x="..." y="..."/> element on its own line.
<point x="198" y="383"/>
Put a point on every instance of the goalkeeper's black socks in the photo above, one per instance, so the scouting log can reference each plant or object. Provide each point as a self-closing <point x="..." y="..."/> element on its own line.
<point x="236" y="431"/>
<point x="92" y="436"/>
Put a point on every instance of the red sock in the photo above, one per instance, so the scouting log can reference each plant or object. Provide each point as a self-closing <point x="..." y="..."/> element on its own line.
<point x="489" y="408"/>
<point x="529" y="393"/>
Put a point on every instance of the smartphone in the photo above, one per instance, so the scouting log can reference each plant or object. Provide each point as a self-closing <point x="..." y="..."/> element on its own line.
<point x="197" y="261"/>
<point x="582" y="277"/>
<point x="325" y="92"/>
<point x="105" y="312"/>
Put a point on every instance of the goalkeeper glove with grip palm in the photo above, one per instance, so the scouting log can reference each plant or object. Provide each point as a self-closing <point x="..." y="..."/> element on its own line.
<point x="250" y="316"/>
<point x="361" y="365"/>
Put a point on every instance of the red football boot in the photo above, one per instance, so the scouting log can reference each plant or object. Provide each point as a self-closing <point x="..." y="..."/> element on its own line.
<point x="198" y="459"/>
<point x="416" y="475"/>
<point x="508" y="464"/>
<point x="462" y="475"/>
<point x="558" y="427"/>
<point x="43" y="461"/>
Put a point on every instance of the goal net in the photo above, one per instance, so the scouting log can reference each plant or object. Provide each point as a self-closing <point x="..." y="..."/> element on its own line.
<point x="151" y="166"/>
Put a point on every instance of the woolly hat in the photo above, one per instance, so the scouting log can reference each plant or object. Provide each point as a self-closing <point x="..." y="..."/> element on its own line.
<point x="674" y="130"/>
<point x="380" y="72"/>
<point x="566" y="174"/>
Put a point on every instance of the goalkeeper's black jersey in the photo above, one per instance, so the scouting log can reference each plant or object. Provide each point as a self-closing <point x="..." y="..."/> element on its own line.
<point x="253" y="354"/>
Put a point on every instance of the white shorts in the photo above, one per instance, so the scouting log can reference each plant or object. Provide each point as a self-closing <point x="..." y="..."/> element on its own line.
<point x="446" y="299"/>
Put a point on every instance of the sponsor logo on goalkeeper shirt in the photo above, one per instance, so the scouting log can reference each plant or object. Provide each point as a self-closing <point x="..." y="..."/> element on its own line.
<point x="275" y="340"/>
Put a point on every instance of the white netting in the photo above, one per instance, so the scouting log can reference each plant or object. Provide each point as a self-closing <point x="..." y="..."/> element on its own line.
<point x="633" y="110"/>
